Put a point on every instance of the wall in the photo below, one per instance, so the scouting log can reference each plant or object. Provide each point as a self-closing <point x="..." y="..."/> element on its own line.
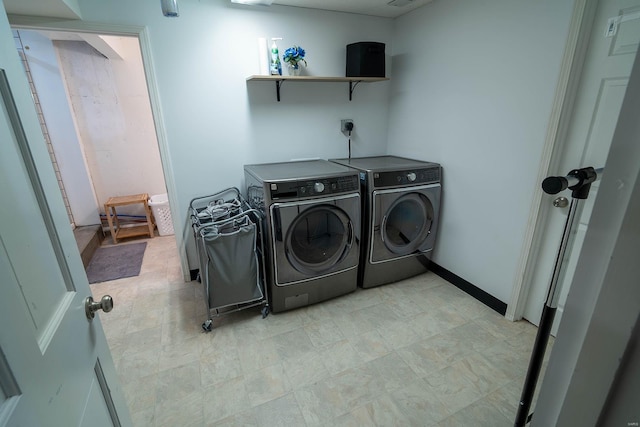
<point x="60" y="127"/>
<point x="472" y="88"/>
<point x="216" y="121"/>
<point x="110" y="101"/>
<point x="231" y="122"/>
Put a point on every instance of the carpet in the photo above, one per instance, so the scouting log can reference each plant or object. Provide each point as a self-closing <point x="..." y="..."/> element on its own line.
<point x="116" y="262"/>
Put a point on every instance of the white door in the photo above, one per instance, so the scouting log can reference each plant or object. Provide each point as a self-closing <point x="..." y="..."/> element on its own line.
<point x="55" y="365"/>
<point x="612" y="47"/>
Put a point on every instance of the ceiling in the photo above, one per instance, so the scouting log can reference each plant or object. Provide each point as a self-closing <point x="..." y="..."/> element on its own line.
<point x="60" y="8"/>
<point x="363" y="7"/>
<point x="48" y="8"/>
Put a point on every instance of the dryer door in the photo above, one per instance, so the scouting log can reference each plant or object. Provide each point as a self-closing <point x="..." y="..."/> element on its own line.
<point x="314" y="238"/>
<point x="404" y="222"/>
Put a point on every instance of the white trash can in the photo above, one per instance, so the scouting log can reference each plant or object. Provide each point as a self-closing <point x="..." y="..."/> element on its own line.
<point x="160" y="207"/>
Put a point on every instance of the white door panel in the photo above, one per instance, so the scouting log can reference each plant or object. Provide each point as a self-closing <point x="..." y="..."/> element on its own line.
<point x="49" y="350"/>
<point x="40" y="303"/>
<point x="604" y="119"/>
<point x="627" y="35"/>
<point x="95" y="407"/>
<point x="601" y="90"/>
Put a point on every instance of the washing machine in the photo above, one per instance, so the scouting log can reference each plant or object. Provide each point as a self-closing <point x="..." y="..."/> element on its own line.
<point x="311" y="223"/>
<point x="400" y="208"/>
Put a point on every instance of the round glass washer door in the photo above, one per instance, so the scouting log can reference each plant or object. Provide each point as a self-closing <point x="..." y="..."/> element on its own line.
<point x="406" y="225"/>
<point x="318" y="239"/>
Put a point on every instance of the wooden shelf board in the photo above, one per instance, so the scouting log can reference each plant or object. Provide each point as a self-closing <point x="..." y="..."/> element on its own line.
<point x="260" y="78"/>
<point x="138" y="230"/>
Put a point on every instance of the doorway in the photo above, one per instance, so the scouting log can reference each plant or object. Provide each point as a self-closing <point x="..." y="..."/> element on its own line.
<point x="587" y="115"/>
<point x="91" y="95"/>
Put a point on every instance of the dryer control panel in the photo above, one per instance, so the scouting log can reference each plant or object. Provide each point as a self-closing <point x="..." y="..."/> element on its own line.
<point x="314" y="187"/>
<point x="406" y="177"/>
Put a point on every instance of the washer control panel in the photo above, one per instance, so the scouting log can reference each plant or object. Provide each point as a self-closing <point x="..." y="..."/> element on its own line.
<point x="406" y="177"/>
<point x="314" y="188"/>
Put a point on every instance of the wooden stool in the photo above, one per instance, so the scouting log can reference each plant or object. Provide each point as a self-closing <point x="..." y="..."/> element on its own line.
<point x="138" y="230"/>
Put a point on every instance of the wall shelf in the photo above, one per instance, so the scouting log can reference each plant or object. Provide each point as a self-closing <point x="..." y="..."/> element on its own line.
<point x="279" y="80"/>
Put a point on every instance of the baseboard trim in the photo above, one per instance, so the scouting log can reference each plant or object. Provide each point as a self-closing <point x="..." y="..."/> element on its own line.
<point x="482" y="296"/>
<point x="457" y="281"/>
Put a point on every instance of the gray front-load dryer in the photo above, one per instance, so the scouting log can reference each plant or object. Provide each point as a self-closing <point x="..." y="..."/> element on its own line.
<point x="311" y="212"/>
<point x="400" y="208"/>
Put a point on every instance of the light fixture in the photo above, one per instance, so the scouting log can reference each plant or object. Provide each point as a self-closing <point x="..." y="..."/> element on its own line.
<point x="399" y="3"/>
<point x="170" y="8"/>
<point x="254" y="2"/>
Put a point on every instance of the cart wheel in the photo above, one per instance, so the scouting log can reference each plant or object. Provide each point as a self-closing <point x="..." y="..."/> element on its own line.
<point x="265" y="311"/>
<point x="207" y="326"/>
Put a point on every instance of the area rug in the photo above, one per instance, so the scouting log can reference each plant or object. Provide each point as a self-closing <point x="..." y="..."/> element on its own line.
<point x="116" y="262"/>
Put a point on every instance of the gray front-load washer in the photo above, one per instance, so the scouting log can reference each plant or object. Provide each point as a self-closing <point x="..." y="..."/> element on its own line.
<point x="311" y="212"/>
<point x="400" y="208"/>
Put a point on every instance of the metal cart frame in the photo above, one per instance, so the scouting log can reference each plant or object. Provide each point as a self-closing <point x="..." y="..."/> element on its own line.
<point x="228" y="235"/>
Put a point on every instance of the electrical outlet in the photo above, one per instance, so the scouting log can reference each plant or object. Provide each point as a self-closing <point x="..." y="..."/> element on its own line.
<point x="346" y="125"/>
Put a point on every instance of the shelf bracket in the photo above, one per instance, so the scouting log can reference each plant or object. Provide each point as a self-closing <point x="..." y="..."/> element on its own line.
<point x="352" y="86"/>
<point x="278" y="85"/>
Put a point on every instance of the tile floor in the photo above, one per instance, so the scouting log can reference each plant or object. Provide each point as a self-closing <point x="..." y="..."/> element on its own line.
<point x="418" y="352"/>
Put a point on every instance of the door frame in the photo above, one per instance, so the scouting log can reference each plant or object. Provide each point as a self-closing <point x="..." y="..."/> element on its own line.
<point x="142" y="33"/>
<point x="580" y="29"/>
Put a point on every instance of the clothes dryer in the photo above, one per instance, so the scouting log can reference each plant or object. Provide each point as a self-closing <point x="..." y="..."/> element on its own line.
<point x="400" y="207"/>
<point x="311" y="214"/>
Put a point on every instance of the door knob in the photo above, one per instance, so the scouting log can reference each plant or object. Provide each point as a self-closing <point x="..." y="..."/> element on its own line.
<point x="91" y="306"/>
<point x="561" y="202"/>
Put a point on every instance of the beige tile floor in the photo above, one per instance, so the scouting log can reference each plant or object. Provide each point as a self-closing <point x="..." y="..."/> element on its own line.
<point x="418" y="352"/>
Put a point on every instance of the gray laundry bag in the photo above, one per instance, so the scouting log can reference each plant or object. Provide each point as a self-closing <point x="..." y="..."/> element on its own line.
<point x="231" y="270"/>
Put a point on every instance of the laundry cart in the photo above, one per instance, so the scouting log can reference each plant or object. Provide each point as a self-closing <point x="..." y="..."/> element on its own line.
<point x="227" y="233"/>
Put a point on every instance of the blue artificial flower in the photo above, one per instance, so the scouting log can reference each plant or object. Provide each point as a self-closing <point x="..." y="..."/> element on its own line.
<point x="293" y="55"/>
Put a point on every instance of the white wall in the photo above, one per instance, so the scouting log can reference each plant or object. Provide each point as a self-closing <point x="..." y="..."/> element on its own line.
<point x="49" y="84"/>
<point x="203" y="59"/>
<point x="114" y="121"/>
<point x="216" y="121"/>
<point x="472" y="88"/>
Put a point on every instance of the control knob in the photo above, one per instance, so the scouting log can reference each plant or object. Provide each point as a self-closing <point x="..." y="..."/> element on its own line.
<point x="318" y="187"/>
<point x="411" y="176"/>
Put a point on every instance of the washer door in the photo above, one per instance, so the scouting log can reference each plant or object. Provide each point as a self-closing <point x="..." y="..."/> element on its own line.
<point x="404" y="222"/>
<point x="314" y="238"/>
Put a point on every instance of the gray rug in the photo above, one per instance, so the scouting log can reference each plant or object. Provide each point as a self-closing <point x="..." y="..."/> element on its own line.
<point x="116" y="262"/>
